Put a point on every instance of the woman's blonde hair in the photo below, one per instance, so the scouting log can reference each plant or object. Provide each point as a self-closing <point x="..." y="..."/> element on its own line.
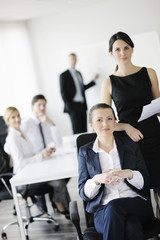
<point x="8" y="113"/>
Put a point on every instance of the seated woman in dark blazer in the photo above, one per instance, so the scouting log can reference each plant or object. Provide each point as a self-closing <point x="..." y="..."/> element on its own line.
<point x="113" y="179"/>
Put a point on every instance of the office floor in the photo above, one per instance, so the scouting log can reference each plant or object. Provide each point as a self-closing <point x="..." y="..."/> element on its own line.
<point x="43" y="230"/>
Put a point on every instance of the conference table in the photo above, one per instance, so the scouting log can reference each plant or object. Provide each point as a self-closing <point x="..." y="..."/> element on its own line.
<point x="62" y="164"/>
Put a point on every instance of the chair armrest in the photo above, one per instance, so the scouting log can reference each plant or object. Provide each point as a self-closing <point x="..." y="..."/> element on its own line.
<point x="4" y="178"/>
<point x="74" y="216"/>
<point x="157" y="201"/>
<point x="6" y="175"/>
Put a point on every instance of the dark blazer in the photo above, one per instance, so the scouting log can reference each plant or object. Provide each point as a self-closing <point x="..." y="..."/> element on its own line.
<point x="68" y="89"/>
<point x="130" y="158"/>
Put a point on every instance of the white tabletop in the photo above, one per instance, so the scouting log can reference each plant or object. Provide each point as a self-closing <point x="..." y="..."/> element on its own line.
<point x="58" y="167"/>
<point x="62" y="164"/>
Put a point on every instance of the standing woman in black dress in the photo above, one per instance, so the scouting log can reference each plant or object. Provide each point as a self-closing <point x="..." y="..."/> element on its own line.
<point x="132" y="87"/>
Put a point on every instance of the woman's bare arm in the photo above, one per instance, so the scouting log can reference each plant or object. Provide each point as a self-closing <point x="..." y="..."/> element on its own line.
<point x="132" y="132"/>
<point x="154" y="81"/>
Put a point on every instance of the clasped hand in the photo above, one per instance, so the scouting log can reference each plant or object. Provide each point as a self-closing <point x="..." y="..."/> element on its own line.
<point x="113" y="176"/>
<point x="48" y="152"/>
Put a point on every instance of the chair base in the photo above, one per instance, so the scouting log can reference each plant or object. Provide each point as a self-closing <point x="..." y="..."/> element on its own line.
<point x="27" y="221"/>
<point x="48" y="219"/>
<point x="3" y="233"/>
<point x="30" y="219"/>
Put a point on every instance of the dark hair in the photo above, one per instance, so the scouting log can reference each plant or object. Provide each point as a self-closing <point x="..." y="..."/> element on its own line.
<point x="120" y="36"/>
<point x="38" y="97"/>
<point x="73" y="54"/>
<point x="98" y="106"/>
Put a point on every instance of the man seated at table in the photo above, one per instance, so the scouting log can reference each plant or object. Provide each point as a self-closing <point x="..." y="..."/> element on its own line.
<point x="43" y="133"/>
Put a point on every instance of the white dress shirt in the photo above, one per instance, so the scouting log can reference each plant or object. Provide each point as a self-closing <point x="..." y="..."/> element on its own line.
<point x="77" y="81"/>
<point x="20" y="150"/>
<point x="111" y="161"/>
<point x="30" y="126"/>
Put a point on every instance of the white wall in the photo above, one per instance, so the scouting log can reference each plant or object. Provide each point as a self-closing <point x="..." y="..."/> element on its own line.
<point x="17" y="72"/>
<point x="52" y="37"/>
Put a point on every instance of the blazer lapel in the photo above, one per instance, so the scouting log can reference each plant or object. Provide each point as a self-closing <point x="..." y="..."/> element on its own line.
<point x="94" y="160"/>
<point x="121" y="149"/>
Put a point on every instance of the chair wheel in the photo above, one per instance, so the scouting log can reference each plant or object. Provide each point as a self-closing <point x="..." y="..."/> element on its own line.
<point x="49" y="221"/>
<point x="27" y="237"/>
<point x="56" y="227"/>
<point x="4" y="235"/>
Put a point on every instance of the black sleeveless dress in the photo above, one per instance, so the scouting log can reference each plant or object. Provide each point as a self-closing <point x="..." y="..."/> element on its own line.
<point x="130" y="94"/>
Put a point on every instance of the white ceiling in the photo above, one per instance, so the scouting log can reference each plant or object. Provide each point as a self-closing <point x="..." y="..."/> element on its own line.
<point x="20" y="10"/>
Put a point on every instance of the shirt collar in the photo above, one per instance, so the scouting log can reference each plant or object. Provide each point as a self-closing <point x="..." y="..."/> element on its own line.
<point x="11" y="129"/>
<point x="72" y="70"/>
<point x="96" y="148"/>
<point x="35" y="119"/>
<point x="95" y="145"/>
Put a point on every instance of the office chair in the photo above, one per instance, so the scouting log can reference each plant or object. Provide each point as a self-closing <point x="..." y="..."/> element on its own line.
<point x="3" y="135"/>
<point x="5" y="194"/>
<point x="150" y="229"/>
<point x="3" y="131"/>
<point x="28" y="191"/>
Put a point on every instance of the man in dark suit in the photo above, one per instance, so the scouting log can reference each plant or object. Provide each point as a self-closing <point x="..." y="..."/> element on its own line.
<point x="73" y="94"/>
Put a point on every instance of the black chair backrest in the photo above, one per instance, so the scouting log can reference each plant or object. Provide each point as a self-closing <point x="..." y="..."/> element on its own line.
<point x="3" y="131"/>
<point x="85" y="138"/>
<point x="82" y="140"/>
<point x="3" y="155"/>
<point x="5" y="187"/>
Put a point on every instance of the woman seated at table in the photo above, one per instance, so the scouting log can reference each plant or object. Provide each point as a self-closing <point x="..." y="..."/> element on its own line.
<point x="20" y="150"/>
<point x="113" y="179"/>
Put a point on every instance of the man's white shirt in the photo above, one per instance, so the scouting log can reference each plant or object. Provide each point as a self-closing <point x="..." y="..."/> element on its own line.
<point x="30" y="126"/>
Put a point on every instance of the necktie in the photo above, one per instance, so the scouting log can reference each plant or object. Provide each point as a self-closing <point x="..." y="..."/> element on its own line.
<point x="42" y="135"/>
<point x="79" y="79"/>
<point x="80" y="83"/>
